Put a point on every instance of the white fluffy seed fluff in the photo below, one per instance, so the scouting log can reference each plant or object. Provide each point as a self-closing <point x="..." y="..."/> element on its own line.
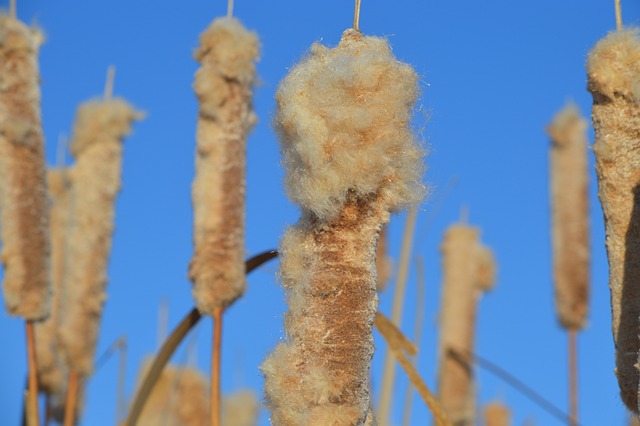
<point x="343" y="116"/>
<point x="98" y="135"/>
<point x="24" y="221"/>
<point x="224" y="85"/>
<point x="613" y="69"/>
<point x="240" y="408"/>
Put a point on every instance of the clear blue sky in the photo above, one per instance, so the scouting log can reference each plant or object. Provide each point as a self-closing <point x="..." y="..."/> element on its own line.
<point x="493" y="75"/>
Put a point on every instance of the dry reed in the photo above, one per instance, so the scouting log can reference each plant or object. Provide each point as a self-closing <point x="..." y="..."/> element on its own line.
<point x="613" y="69"/>
<point x="496" y="414"/>
<point x="23" y="190"/>
<point x="180" y="398"/>
<point x="570" y="215"/>
<point x="51" y="372"/>
<point x="223" y="84"/>
<point x="350" y="158"/>
<point x="240" y="409"/>
<point x="469" y="270"/>
<point x="98" y="135"/>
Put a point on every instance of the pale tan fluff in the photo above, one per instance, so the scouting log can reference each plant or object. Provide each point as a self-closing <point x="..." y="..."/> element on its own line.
<point x="343" y="116"/>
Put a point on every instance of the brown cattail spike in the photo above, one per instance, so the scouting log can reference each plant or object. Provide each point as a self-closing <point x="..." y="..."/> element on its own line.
<point x="179" y="398"/>
<point x="98" y="135"/>
<point x="350" y="158"/>
<point x="613" y="69"/>
<point x="51" y="374"/>
<point x="23" y="191"/>
<point x="223" y="84"/>
<point x="469" y="270"/>
<point x="570" y="213"/>
<point x="240" y="409"/>
<point x="496" y="414"/>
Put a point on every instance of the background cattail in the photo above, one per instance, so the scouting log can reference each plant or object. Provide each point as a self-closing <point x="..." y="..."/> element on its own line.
<point x="51" y="373"/>
<point x="496" y="414"/>
<point x="469" y="270"/>
<point x="240" y="409"/>
<point x="350" y="157"/>
<point x="613" y="69"/>
<point x="223" y="84"/>
<point x="23" y="190"/>
<point x="98" y="134"/>
<point x="180" y="397"/>
<point x="570" y="213"/>
<point x="384" y="264"/>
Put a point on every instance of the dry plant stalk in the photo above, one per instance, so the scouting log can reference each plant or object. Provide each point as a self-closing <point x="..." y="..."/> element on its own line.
<point x="613" y="69"/>
<point x="469" y="270"/>
<point x="350" y="157"/>
<point x="180" y="398"/>
<point x="223" y="84"/>
<point x="240" y="409"/>
<point x="496" y="414"/>
<point x="51" y="373"/>
<point x="384" y="264"/>
<point x="98" y="135"/>
<point x="23" y="190"/>
<point x="570" y="215"/>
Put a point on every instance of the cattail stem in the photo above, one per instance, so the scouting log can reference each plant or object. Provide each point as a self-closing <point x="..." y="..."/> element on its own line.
<point x="13" y="12"/>
<point x="356" y="16"/>
<point x="388" y="377"/>
<point x="229" y="8"/>
<point x="108" y="86"/>
<point x="72" y="396"/>
<point x="573" y="376"/>
<point x="121" y="402"/>
<point x="32" y="403"/>
<point x="618" y="14"/>
<point x="216" y="358"/>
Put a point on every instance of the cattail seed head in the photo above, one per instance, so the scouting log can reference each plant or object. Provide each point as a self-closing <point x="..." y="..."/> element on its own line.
<point x="613" y="69"/>
<point x="496" y="414"/>
<point x="570" y="215"/>
<point x="223" y="84"/>
<point x="23" y="190"/>
<point x="350" y="158"/>
<point x="240" y="409"/>
<point x="469" y="270"/>
<point x="98" y="135"/>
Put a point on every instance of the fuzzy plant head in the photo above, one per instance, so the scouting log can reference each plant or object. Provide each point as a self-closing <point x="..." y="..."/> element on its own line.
<point x="343" y="116"/>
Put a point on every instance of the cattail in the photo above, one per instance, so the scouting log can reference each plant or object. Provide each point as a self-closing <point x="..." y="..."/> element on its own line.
<point x="613" y="69"/>
<point x="496" y="414"/>
<point x="240" y="409"/>
<point x="23" y="190"/>
<point x="469" y="270"/>
<point x="51" y="374"/>
<point x="180" y="397"/>
<point x="98" y="135"/>
<point x="570" y="201"/>
<point x="223" y="84"/>
<point x="384" y="264"/>
<point x="350" y="157"/>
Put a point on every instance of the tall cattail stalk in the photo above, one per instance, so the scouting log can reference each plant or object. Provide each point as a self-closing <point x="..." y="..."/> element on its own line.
<point x="350" y="157"/>
<point x="98" y="135"/>
<point x="51" y="371"/>
<point x="469" y="270"/>
<point x="223" y="84"/>
<point x="180" y="397"/>
<point x="570" y="215"/>
<point x="496" y="414"/>
<point x="240" y="408"/>
<point x="613" y="68"/>
<point x="24" y="226"/>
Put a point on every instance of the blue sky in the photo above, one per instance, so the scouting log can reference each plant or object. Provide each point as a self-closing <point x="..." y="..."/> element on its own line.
<point x="493" y="75"/>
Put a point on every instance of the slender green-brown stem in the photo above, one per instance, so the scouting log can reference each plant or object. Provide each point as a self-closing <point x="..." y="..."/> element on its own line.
<point x="215" y="366"/>
<point x="108" y="86"/>
<point x="356" y="16"/>
<point x="32" y="402"/>
<point x="573" y="376"/>
<point x="72" y="396"/>
<point x="229" y="8"/>
<point x="618" y="15"/>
